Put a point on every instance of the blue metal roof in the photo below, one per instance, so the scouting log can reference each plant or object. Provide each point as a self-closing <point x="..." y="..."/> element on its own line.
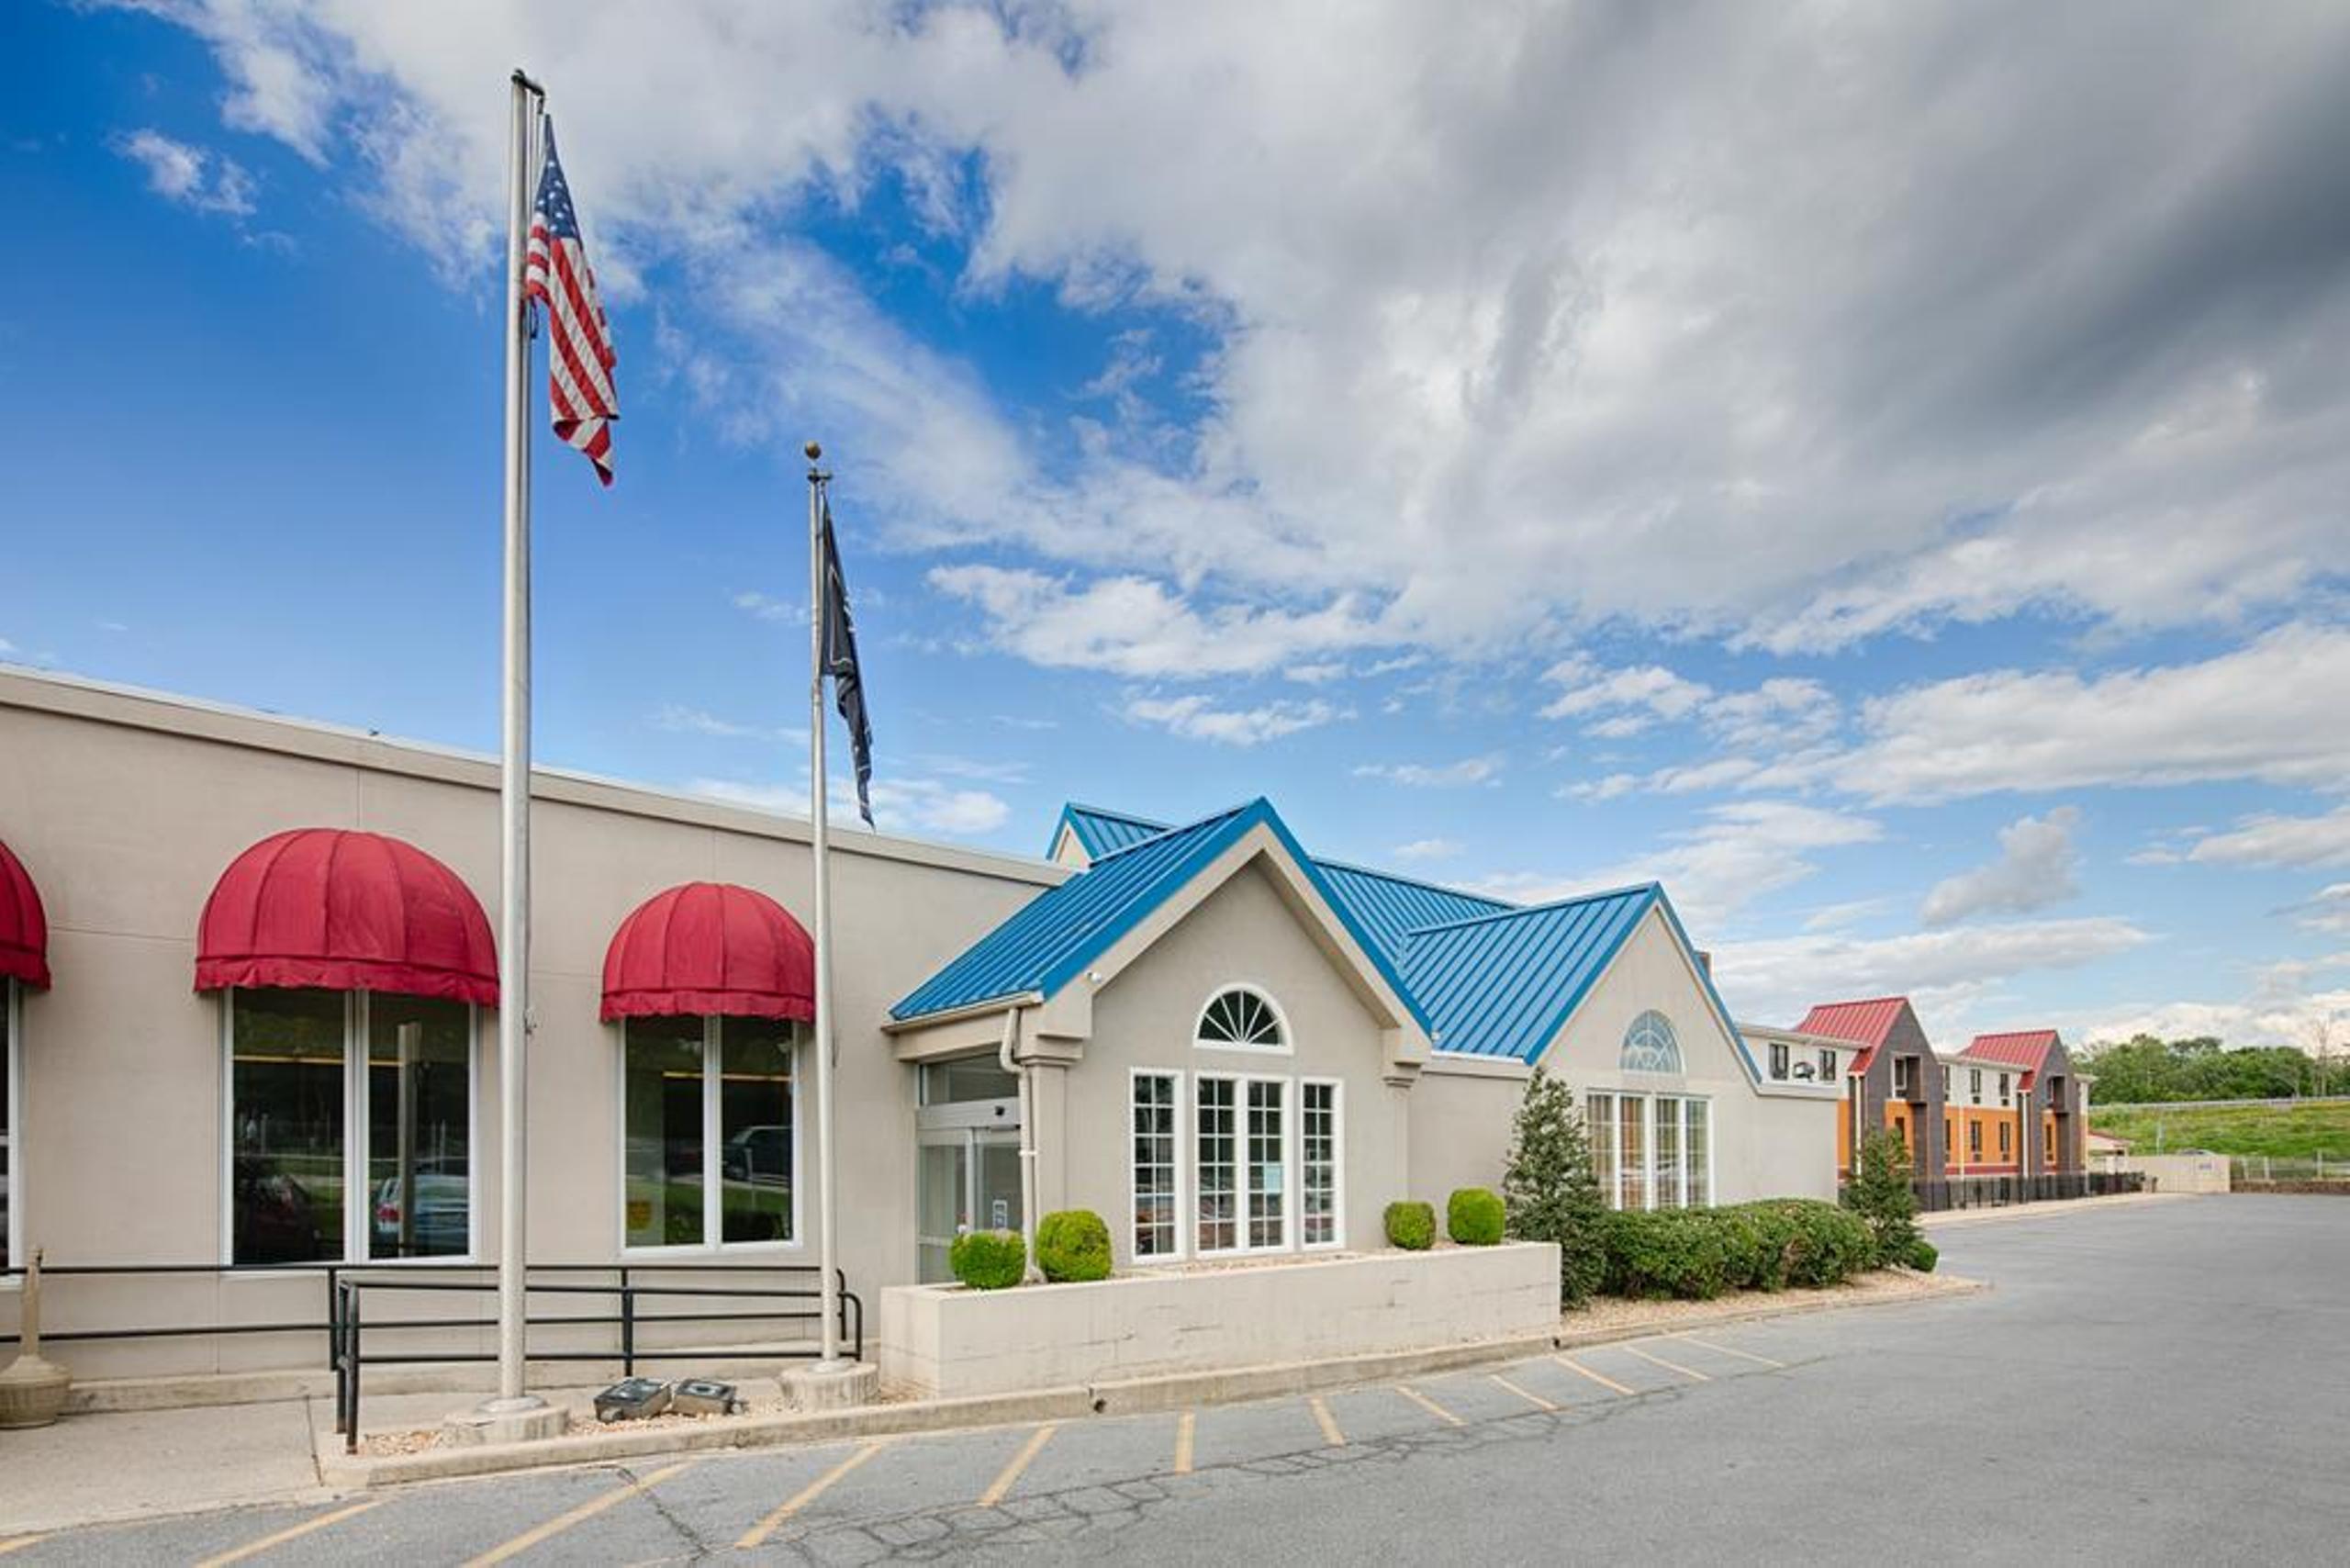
<point x="1391" y="907"/>
<point x="1101" y="832"/>
<point x="1503" y="985"/>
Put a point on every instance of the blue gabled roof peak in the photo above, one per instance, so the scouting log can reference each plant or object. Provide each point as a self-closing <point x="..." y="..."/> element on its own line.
<point x="1509" y="911"/>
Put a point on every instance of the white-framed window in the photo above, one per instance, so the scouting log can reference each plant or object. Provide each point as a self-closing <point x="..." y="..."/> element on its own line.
<point x="1974" y="1085"/>
<point x="12" y="1186"/>
<point x="710" y="1133"/>
<point x="1778" y="1060"/>
<point x="1153" y="1121"/>
<point x="1651" y="1151"/>
<point x="1242" y="1154"/>
<point x="1320" y="1154"/>
<point x="351" y="1127"/>
<point x="2003" y="1089"/>
<point x="1904" y="1078"/>
<point x="1650" y="1046"/>
<point x="1241" y="1018"/>
<point x="1827" y="1065"/>
<point x="1945" y="1081"/>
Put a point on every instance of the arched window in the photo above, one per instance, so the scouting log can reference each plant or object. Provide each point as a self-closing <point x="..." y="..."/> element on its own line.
<point x="1650" y="1045"/>
<point x="1239" y="1016"/>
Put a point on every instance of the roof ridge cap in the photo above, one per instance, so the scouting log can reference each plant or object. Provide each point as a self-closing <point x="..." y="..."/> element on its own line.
<point x="1508" y="911"/>
<point x="1500" y="905"/>
<point x="1227" y="812"/>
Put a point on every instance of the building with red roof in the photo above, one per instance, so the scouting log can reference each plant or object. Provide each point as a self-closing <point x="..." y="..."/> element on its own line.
<point x="2050" y="1105"/>
<point x="1896" y="1080"/>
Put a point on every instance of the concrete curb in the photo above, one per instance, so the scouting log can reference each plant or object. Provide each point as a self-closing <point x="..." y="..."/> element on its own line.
<point x="361" y="1473"/>
<point x="1951" y="1217"/>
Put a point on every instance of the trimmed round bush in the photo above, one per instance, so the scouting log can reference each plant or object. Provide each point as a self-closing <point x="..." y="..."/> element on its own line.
<point x="1668" y="1253"/>
<point x="1922" y="1256"/>
<point x="1411" y="1226"/>
<point x="989" y="1260"/>
<point x="1473" y="1215"/>
<point x="1073" y="1243"/>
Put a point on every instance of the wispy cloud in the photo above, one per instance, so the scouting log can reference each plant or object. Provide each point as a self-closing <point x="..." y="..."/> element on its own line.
<point x="1468" y="770"/>
<point x="188" y="175"/>
<point x="682" y="719"/>
<point x="1197" y="716"/>
<point x="2038" y="866"/>
<point x="1428" y="849"/>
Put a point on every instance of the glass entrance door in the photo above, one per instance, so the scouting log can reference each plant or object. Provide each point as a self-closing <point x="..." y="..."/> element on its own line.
<point x="969" y="1179"/>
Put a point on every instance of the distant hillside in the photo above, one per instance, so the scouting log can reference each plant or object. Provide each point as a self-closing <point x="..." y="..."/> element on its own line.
<point x="2281" y="1132"/>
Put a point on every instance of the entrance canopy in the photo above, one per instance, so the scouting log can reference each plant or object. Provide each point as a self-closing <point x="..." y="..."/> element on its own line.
<point x="345" y="911"/>
<point x="24" y="928"/>
<point x="705" y="948"/>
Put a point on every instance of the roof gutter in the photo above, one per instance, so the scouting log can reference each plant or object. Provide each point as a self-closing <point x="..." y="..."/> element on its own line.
<point x="980" y="1009"/>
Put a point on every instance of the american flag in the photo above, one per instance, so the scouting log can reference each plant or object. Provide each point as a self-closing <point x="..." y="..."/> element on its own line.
<point x="579" y="341"/>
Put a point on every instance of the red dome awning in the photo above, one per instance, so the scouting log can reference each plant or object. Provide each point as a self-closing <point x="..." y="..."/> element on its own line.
<point x="711" y="947"/>
<point x="345" y="911"/>
<point x="23" y="927"/>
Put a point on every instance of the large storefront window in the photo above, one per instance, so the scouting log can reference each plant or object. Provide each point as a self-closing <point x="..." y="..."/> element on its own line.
<point x="308" y="1065"/>
<point x="1651" y="1151"/>
<point x="709" y="1142"/>
<point x="8" y="1097"/>
<point x="1157" y="1223"/>
<point x="1318" y="1163"/>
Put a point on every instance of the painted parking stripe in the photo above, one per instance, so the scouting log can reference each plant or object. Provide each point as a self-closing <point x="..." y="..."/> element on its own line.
<point x="1530" y="1397"/>
<point x="1574" y="1365"/>
<point x="1690" y="1372"/>
<point x="1185" y="1429"/>
<point x="1733" y="1351"/>
<point x="1010" y="1475"/>
<point x="767" y="1527"/>
<point x="255" y="1548"/>
<point x="1430" y="1405"/>
<point x="19" y="1543"/>
<point x="1330" y="1433"/>
<point x="580" y="1515"/>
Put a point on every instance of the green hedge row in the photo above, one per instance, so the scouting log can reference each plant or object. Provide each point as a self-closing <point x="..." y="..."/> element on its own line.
<point x="1696" y="1254"/>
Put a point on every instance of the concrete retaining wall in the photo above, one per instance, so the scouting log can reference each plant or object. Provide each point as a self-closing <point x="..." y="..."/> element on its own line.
<point x="2180" y="1172"/>
<point x="944" y="1340"/>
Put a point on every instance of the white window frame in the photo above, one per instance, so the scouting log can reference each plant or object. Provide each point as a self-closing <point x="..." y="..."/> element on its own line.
<point x="1826" y="1064"/>
<point x="1337" y="1165"/>
<point x="1186" y="1157"/>
<point x="1614" y="1190"/>
<point x="1243" y="1166"/>
<point x="2005" y="1089"/>
<point x="714" y="1213"/>
<point x="358" y="1187"/>
<point x="1288" y="1046"/>
<point x="1781" y="1056"/>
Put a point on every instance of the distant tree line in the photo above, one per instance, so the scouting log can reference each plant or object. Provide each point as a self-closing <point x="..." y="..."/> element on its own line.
<point x="2145" y="1071"/>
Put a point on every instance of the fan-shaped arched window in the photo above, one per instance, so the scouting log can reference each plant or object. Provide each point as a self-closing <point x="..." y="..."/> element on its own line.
<point x="1239" y="1016"/>
<point x="1650" y="1045"/>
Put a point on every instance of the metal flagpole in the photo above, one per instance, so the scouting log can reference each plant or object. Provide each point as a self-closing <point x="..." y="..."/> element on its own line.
<point x="514" y="783"/>
<point x="828" y="1209"/>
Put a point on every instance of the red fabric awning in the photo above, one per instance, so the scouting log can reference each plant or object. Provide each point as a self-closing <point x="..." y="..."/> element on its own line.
<point x="345" y="911"/>
<point x="711" y="947"/>
<point x="24" y="928"/>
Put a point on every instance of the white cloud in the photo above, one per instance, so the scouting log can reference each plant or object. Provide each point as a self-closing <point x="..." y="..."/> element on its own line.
<point x="2328" y="910"/>
<point x="1945" y="972"/>
<point x="1428" y="849"/>
<point x="922" y="806"/>
<point x="2038" y="866"/>
<point x="1316" y="673"/>
<point x="1741" y="852"/>
<point x="1654" y="330"/>
<point x="1436" y="775"/>
<point x="766" y="607"/>
<point x="191" y="177"/>
<point x="1196" y="717"/>
<point x="1649" y="688"/>
<point x="2273" y="840"/>
<point x="683" y="719"/>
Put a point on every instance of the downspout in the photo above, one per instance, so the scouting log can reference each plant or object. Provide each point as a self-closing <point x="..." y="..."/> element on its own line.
<point x="1008" y="1057"/>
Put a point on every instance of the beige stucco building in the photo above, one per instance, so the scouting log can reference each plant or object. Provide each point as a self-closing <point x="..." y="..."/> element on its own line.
<point x="1221" y="1045"/>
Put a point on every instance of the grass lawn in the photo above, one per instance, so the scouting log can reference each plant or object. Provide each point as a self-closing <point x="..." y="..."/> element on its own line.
<point x="2281" y="1132"/>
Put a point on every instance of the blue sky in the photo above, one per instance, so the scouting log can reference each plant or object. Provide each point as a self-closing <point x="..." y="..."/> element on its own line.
<point x="1889" y="485"/>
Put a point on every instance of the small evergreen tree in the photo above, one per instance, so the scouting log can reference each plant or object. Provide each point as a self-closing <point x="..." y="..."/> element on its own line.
<point x="1550" y="1191"/>
<point x="1880" y="1193"/>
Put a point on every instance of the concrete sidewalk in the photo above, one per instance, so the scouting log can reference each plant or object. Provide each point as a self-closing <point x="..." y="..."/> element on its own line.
<point x="1949" y="1218"/>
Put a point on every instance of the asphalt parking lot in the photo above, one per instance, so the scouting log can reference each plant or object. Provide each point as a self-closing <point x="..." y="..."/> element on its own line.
<point x="2149" y="1384"/>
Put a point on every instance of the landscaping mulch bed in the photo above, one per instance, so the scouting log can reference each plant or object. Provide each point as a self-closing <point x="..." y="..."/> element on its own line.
<point x="1613" y="1317"/>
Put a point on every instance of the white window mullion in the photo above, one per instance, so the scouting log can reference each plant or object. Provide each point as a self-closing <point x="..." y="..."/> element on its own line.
<point x="712" y="1187"/>
<point x="356" y="1199"/>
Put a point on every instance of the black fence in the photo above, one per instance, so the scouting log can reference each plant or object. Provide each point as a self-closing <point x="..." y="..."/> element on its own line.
<point x="1998" y="1191"/>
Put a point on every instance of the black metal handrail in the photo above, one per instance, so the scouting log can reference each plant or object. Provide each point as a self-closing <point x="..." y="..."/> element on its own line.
<point x="348" y="1325"/>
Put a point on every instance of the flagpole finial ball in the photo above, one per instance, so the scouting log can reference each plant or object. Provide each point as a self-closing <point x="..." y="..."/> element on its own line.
<point x="813" y="451"/>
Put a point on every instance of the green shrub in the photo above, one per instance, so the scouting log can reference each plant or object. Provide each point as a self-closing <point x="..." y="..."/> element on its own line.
<point x="989" y="1260"/>
<point x="1756" y="1240"/>
<point x="1073" y="1243"/>
<point x="1411" y="1226"/>
<point x="1922" y="1256"/>
<point x="1473" y="1216"/>
<point x="1880" y="1193"/>
<point x="1668" y="1253"/>
<point x="1827" y="1245"/>
<point x="1549" y="1190"/>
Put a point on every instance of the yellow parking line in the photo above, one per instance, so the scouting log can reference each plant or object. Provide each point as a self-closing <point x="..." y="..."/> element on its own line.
<point x="1430" y="1405"/>
<point x="805" y="1495"/>
<point x="1574" y="1365"/>
<point x="19" y="1543"/>
<point x="1184" y="1430"/>
<point x="580" y="1515"/>
<point x="1733" y="1351"/>
<point x="256" y="1548"/>
<point x="1534" y="1399"/>
<point x="1020" y="1462"/>
<point x="1330" y="1433"/>
<point x="1691" y="1372"/>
